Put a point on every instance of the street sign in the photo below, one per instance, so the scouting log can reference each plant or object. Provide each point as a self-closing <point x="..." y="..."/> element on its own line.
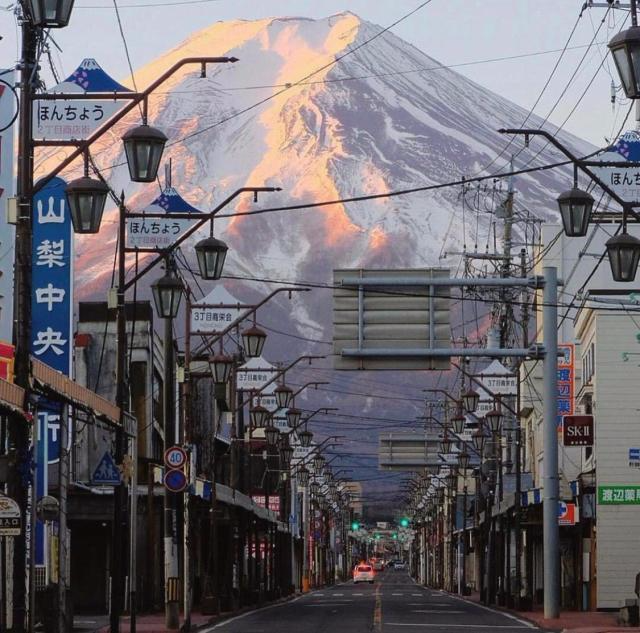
<point x="577" y="430"/>
<point x="175" y="457"/>
<point x="255" y="374"/>
<point x="625" y="181"/>
<point x="106" y="473"/>
<point x="76" y="119"/>
<point x="634" y="458"/>
<point x="215" y="312"/>
<point x="175" y="480"/>
<point x="10" y="517"/>
<point x="567" y="513"/>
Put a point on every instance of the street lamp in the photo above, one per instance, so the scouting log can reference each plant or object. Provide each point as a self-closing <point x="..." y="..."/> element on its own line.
<point x="271" y="435"/>
<point x="318" y="463"/>
<point x="470" y="400"/>
<point x="86" y="198"/>
<point x="445" y="445"/>
<point x="50" y="14"/>
<point x="167" y="293"/>
<point x="303" y="476"/>
<point x="284" y="396"/>
<point x="221" y="367"/>
<point x="457" y="424"/>
<point x="624" y="254"/>
<point x="211" y="253"/>
<point x="575" y="206"/>
<point x="258" y="416"/>
<point x="463" y="460"/>
<point x="286" y="453"/>
<point x="494" y="420"/>
<point x="305" y="438"/>
<point x="253" y="339"/>
<point x="314" y="488"/>
<point x="293" y="417"/>
<point x="478" y="439"/>
<point x="625" y="48"/>
<point x="143" y="146"/>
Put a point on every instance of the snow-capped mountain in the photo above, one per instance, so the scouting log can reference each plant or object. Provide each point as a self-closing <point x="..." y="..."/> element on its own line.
<point x="382" y="118"/>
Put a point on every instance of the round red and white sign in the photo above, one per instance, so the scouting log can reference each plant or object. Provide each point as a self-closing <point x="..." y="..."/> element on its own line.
<point x="175" y="457"/>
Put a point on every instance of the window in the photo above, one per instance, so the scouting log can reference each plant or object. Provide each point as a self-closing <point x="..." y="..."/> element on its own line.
<point x="588" y="364"/>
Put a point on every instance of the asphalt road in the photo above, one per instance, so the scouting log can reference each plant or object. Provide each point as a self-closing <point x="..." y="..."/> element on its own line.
<point x="393" y="604"/>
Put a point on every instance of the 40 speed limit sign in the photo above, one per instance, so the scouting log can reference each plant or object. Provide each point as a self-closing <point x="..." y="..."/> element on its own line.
<point x="175" y="457"/>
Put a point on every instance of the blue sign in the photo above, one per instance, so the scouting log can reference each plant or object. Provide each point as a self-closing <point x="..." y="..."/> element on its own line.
<point x="175" y="480"/>
<point x="106" y="473"/>
<point x="51" y="321"/>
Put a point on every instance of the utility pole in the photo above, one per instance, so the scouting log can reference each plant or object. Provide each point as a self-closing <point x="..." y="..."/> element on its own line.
<point x="63" y="482"/>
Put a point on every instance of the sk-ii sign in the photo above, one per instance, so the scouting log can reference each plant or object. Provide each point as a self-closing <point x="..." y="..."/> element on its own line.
<point x="51" y="320"/>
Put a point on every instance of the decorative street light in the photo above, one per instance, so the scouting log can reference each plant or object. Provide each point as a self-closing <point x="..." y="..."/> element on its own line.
<point x="284" y="396"/>
<point x="478" y="439"/>
<point x="86" y="198"/>
<point x="259" y="416"/>
<point x="470" y="400"/>
<point x="253" y="339"/>
<point x="463" y="460"/>
<point x="50" y="14"/>
<point x="457" y="424"/>
<point x="293" y="417"/>
<point x="624" y="254"/>
<point x="625" y="48"/>
<point x="143" y="146"/>
<point x="494" y="420"/>
<point x="314" y="488"/>
<point x="303" y="476"/>
<point x="271" y="434"/>
<point x="318" y="464"/>
<point x="576" y="206"/>
<point x="211" y="253"/>
<point x="286" y="453"/>
<point x="221" y="367"/>
<point x="305" y="438"/>
<point x="167" y="293"/>
<point x="445" y="445"/>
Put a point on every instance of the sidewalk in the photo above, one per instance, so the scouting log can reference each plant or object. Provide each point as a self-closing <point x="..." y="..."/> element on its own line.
<point x="569" y="621"/>
<point x="154" y="623"/>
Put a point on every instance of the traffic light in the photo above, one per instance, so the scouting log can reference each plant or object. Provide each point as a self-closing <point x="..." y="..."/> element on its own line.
<point x="355" y="526"/>
<point x="377" y="537"/>
<point x="404" y="522"/>
<point x="395" y="535"/>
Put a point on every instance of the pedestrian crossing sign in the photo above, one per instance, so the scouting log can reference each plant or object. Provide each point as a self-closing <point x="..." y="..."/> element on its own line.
<point x="106" y="473"/>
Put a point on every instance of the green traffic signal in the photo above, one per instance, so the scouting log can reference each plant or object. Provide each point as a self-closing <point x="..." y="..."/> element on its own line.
<point x="395" y="535"/>
<point x="404" y="522"/>
<point x="355" y="526"/>
<point x="377" y="536"/>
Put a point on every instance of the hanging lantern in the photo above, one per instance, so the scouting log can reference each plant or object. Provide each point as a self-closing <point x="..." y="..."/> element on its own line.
<point x="478" y="439"/>
<point x="318" y="464"/>
<point x="286" y="453"/>
<point x="457" y="424"/>
<point x="494" y="420"/>
<point x="259" y="416"/>
<point x="624" y="255"/>
<point x="211" y="254"/>
<point x="452" y="480"/>
<point x="470" y="400"/>
<point x="271" y="435"/>
<point x="305" y="438"/>
<point x="445" y="445"/>
<point x="50" y="14"/>
<point x="575" y="210"/>
<point x="221" y="367"/>
<point x="625" y="48"/>
<point x="143" y="146"/>
<point x="293" y="417"/>
<point x="314" y="488"/>
<point x="167" y="293"/>
<point x="463" y="460"/>
<point x="253" y="339"/>
<point x="86" y="198"/>
<point x="302" y="476"/>
<point x="284" y="396"/>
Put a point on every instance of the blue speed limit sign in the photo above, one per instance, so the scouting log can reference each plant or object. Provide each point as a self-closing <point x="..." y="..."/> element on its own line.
<point x="175" y="457"/>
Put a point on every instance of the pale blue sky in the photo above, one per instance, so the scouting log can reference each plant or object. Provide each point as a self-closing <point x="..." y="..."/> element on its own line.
<point x="451" y="31"/>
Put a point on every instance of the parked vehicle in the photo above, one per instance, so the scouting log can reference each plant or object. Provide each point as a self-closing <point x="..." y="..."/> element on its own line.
<point x="377" y="564"/>
<point x="399" y="564"/>
<point x="363" y="573"/>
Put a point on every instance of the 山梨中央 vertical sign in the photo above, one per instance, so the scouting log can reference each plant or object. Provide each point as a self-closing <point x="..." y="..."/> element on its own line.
<point x="51" y="319"/>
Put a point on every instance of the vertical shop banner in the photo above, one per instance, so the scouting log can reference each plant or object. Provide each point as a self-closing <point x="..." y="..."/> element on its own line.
<point x="566" y="382"/>
<point x="51" y="320"/>
<point x="8" y="109"/>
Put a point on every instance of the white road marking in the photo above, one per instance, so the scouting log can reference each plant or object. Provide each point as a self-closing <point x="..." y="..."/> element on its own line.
<point x="358" y="594"/>
<point x="397" y="594"/>
<point x="416" y="594"/>
<point x="244" y="615"/>
<point x="506" y="615"/>
<point x="337" y="594"/>
<point x="434" y="611"/>
<point x="457" y="626"/>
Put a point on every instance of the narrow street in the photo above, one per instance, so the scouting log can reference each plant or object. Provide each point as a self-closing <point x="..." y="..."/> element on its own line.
<point x="393" y="603"/>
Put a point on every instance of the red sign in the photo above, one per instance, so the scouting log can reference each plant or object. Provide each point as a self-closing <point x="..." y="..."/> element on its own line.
<point x="274" y="501"/>
<point x="6" y="361"/>
<point x="567" y="513"/>
<point x="577" y="430"/>
<point x="566" y="375"/>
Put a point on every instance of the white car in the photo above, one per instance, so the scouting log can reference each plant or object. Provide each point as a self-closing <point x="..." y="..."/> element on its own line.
<point x="399" y="564"/>
<point x="363" y="573"/>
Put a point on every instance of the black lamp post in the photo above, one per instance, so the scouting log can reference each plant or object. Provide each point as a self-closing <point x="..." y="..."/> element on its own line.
<point x="143" y="146"/>
<point x="318" y="463"/>
<point x="253" y="340"/>
<point x="314" y="488"/>
<point x="457" y="424"/>
<point x="478" y="439"/>
<point x="303" y="476"/>
<point x="286" y="453"/>
<point x="293" y="417"/>
<point x="271" y="434"/>
<point x="575" y="206"/>
<point x="305" y="438"/>
<point x="167" y="293"/>
<point x="259" y="416"/>
<point x="494" y="420"/>
<point x="86" y="198"/>
<point x="625" y="48"/>
<point x="284" y="396"/>
<point x="463" y="460"/>
<point x="624" y="254"/>
<point x="211" y="253"/>
<point x="50" y="14"/>
<point x="470" y="400"/>
<point x="221" y="367"/>
<point x="445" y="445"/>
